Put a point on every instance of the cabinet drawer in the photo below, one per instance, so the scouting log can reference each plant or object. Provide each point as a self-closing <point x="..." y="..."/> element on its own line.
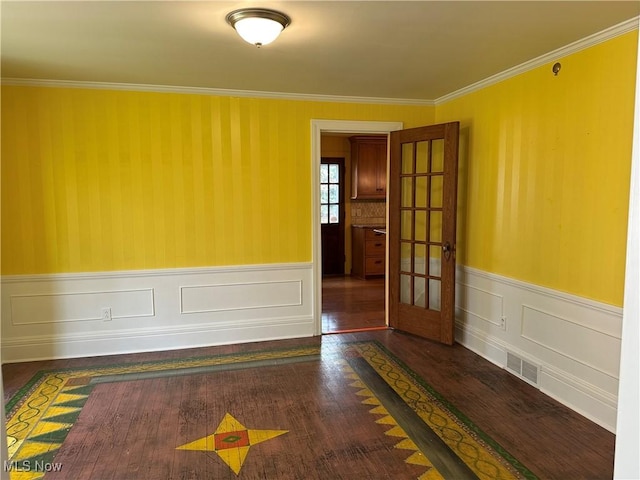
<point x="374" y="247"/>
<point x="374" y="266"/>
<point x="369" y="234"/>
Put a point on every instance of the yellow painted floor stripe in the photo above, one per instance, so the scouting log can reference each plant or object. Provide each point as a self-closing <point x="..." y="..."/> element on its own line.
<point x="31" y="449"/>
<point x="54" y="411"/>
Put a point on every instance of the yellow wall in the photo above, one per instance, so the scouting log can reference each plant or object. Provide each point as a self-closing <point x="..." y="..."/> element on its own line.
<point x="544" y="172"/>
<point x="98" y="180"/>
<point x="106" y="180"/>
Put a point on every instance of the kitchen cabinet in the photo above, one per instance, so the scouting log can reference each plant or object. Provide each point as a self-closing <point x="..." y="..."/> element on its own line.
<point x="368" y="249"/>
<point x="368" y="167"/>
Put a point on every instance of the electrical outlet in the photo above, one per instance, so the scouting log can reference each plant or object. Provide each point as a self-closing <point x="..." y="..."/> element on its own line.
<point x="503" y="323"/>
<point x="106" y="314"/>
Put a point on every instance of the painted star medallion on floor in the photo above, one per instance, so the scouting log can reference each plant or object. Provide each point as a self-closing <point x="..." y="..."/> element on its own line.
<point x="231" y="441"/>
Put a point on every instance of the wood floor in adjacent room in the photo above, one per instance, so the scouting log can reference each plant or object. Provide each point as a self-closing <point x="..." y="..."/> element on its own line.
<point x="350" y="303"/>
<point x="550" y="439"/>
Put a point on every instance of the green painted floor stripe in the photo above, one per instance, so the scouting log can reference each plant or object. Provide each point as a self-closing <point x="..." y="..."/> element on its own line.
<point x="272" y="362"/>
<point x="56" y="436"/>
<point x="70" y="417"/>
<point x="83" y="390"/>
<point x="446" y="462"/>
<point x="77" y="403"/>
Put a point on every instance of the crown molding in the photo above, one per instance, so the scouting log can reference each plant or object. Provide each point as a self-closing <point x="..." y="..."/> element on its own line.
<point x="135" y="87"/>
<point x="590" y="41"/>
<point x="607" y="34"/>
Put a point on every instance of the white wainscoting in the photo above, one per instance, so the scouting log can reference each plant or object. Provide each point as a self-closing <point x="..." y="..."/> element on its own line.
<point x="574" y="342"/>
<point x="75" y="315"/>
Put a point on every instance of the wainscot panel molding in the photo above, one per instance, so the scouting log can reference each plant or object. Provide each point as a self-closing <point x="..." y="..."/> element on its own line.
<point x="564" y="345"/>
<point x="80" y="306"/>
<point x="107" y="313"/>
<point x="240" y="296"/>
<point x="568" y="345"/>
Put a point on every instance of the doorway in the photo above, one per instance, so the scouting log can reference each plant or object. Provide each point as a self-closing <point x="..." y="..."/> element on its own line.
<point x="349" y="301"/>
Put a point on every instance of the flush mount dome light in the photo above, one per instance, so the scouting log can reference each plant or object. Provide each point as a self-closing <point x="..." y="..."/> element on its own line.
<point x="258" y="26"/>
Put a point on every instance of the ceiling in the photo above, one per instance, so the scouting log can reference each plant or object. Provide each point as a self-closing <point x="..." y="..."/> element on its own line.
<point x="418" y="50"/>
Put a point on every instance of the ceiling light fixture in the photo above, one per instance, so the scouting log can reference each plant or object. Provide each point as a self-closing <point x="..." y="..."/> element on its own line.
<point x="258" y="26"/>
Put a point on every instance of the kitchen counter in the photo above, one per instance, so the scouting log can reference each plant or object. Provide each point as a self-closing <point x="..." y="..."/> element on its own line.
<point x="369" y="225"/>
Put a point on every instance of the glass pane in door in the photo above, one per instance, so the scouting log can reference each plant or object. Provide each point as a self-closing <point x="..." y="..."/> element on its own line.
<point x="437" y="156"/>
<point x="422" y="157"/>
<point x="434" y="294"/>
<point x="407" y="192"/>
<point x="435" y="200"/>
<point x="334" y="211"/>
<point x="435" y="257"/>
<point x="406" y="166"/>
<point x="334" y="173"/>
<point x="421" y="191"/>
<point x="334" y="193"/>
<point x="405" y="256"/>
<point x="405" y="289"/>
<point x="324" y="173"/>
<point x="420" y="226"/>
<point x="419" y="259"/>
<point x="419" y="292"/>
<point x="435" y="227"/>
<point x="406" y="224"/>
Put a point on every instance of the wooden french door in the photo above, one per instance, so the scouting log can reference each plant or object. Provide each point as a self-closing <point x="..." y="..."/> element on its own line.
<point x="423" y="173"/>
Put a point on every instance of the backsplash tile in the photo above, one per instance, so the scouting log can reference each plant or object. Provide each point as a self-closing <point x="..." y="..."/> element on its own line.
<point x="373" y="212"/>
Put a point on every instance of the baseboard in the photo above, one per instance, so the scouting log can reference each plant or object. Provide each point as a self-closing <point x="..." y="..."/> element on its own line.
<point x="572" y="343"/>
<point x="47" y="347"/>
<point x="108" y="313"/>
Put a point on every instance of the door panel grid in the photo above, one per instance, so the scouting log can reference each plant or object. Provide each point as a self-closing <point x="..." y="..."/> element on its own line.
<point x="421" y="222"/>
<point x="330" y="193"/>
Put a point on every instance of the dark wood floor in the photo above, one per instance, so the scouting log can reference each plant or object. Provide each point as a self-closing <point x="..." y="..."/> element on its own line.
<point x="550" y="439"/>
<point x="349" y="303"/>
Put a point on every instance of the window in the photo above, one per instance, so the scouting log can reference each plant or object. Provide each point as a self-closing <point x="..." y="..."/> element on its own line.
<point x="329" y="193"/>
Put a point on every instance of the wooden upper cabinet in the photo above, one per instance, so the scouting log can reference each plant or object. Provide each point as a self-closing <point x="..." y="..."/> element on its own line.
<point x="368" y="167"/>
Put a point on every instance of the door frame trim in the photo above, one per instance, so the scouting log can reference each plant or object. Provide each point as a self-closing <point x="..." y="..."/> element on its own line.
<point x="318" y="127"/>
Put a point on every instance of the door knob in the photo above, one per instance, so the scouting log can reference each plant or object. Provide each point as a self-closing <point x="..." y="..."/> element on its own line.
<point x="446" y="250"/>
